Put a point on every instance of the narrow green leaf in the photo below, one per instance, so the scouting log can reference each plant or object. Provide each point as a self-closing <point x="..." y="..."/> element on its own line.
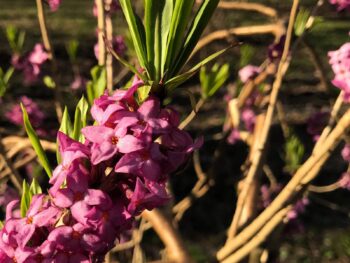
<point x="77" y="124"/>
<point x="196" y="29"/>
<point x="192" y="100"/>
<point x="66" y="124"/>
<point x="300" y="21"/>
<point x="178" y="80"/>
<point x="151" y="13"/>
<point x="83" y="106"/>
<point x="66" y="128"/>
<point x="247" y="52"/>
<point x="179" y="21"/>
<point x="20" y="40"/>
<point x="136" y="31"/>
<point x="166" y="16"/>
<point x="8" y="74"/>
<point x="36" y="142"/>
<point x="220" y="77"/>
<point x="25" y="199"/>
<point x="1" y="225"/>
<point x="35" y="187"/>
<point x="90" y="92"/>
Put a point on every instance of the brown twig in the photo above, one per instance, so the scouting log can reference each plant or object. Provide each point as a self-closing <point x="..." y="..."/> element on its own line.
<point x="265" y="10"/>
<point x="274" y="28"/>
<point x="51" y="57"/>
<point x="101" y="32"/>
<point x="176" y="249"/>
<point x="294" y="186"/>
<point x="256" y="161"/>
<point x="193" y="114"/>
<point x="109" y="56"/>
<point x="325" y="188"/>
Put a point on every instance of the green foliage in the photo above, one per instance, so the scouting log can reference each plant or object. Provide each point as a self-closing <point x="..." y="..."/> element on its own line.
<point x="97" y="85"/>
<point x="165" y="41"/>
<point x="15" y="38"/>
<point x="247" y="53"/>
<point x="33" y="137"/>
<point x="4" y="79"/>
<point x="214" y="79"/>
<point x="142" y="93"/>
<point x="178" y="80"/>
<point x="25" y="199"/>
<point x="294" y="153"/>
<point x="49" y="82"/>
<point x="301" y="21"/>
<point x="27" y="193"/>
<point x="72" y="50"/>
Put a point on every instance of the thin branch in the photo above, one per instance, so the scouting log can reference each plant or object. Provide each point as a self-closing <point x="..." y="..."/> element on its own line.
<point x="256" y="161"/>
<point x="50" y="51"/>
<point x="101" y="31"/>
<point x="192" y="115"/>
<point x="176" y="249"/>
<point x="265" y="10"/>
<point x="325" y="188"/>
<point x="274" y="29"/>
<point x="259" y="238"/>
<point x="294" y="186"/>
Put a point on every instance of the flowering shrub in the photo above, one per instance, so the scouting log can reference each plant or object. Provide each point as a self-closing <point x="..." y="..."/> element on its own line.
<point x="101" y="185"/>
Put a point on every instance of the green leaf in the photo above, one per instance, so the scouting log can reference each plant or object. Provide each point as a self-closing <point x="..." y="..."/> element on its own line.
<point x="166" y="15"/>
<point x="247" y="52"/>
<point x="49" y="82"/>
<point x="8" y="74"/>
<point x="301" y="21"/>
<point x="294" y="153"/>
<point x="65" y="127"/>
<point x="35" y="187"/>
<point x="66" y="124"/>
<point x="151" y="16"/>
<point x="136" y="30"/>
<point x="179" y="21"/>
<point x="83" y="107"/>
<point x="36" y="142"/>
<point x="178" y="80"/>
<point x="192" y="100"/>
<point x="97" y="86"/>
<point x="220" y="77"/>
<point x="143" y="92"/>
<point x="25" y="199"/>
<point x="77" y="124"/>
<point x="72" y="50"/>
<point x="1" y="225"/>
<point x="197" y="27"/>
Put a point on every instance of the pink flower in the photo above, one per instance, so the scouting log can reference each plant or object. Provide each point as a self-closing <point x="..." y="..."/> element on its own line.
<point x="38" y="56"/>
<point x="341" y="4"/>
<point x="340" y="62"/>
<point x="248" y="72"/>
<point x="31" y="63"/>
<point x="36" y="116"/>
<point x="344" y="181"/>
<point x="248" y="117"/>
<point x="54" y="4"/>
<point x="345" y="153"/>
<point x="79" y="82"/>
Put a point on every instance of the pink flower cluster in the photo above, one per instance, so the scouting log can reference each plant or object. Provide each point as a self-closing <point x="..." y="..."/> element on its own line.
<point x="30" y="64"/>
<point x="340" y="62"/>
<point x="101" y="185"/>
<point x="36" y="115"/>
<point x="54" y="4"/>
<point x="248" y="72"/>
<point x="341" y="4"/>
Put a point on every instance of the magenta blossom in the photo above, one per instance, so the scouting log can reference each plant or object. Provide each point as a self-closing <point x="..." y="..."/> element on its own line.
<point x="316" y="124"/>
<point x="36" y="115"/>
<point x="340" y="62"/>
<point x="344" y="181"/>
<point x="54" y="4"/>
<point x="341" y="4"/>
<point x="248" y="72"/>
